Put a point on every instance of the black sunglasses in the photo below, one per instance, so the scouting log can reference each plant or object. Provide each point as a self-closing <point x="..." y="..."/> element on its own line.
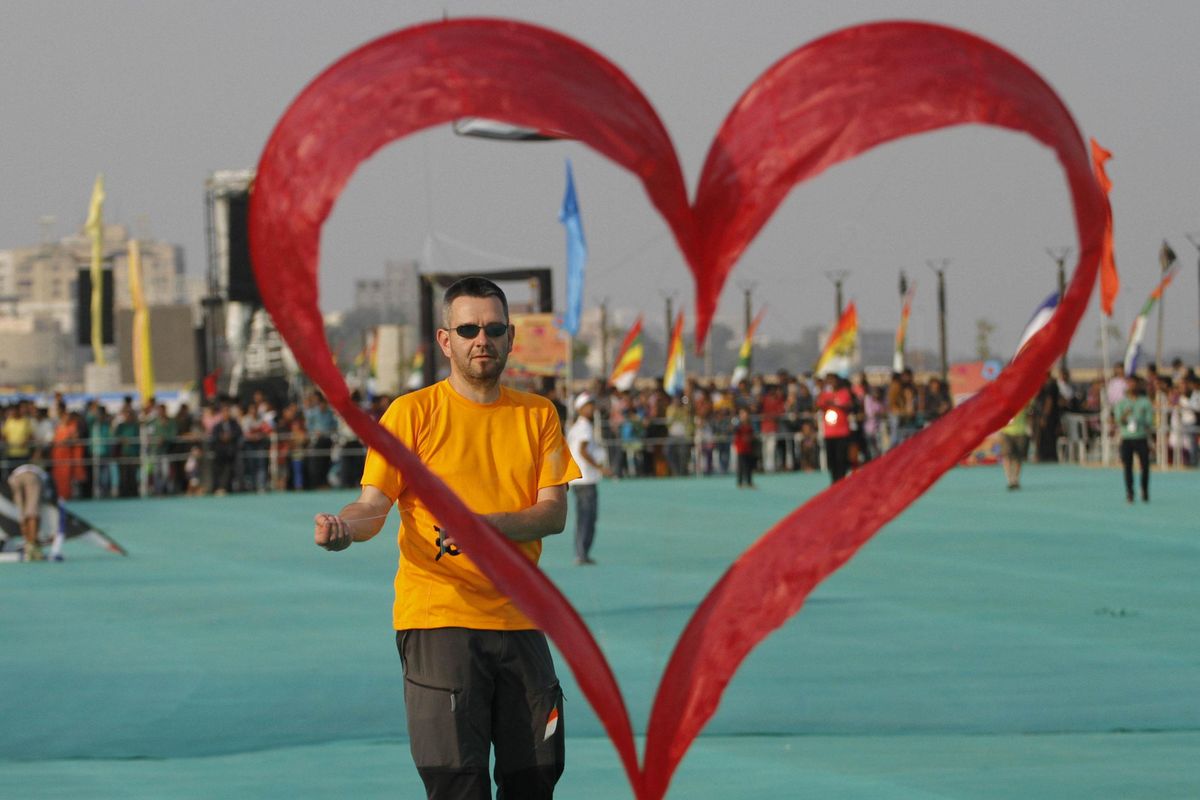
<point x="494" y="330"/>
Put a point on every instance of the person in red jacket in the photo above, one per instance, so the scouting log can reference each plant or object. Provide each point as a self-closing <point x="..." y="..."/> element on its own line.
<point x="744" y="437"/>
<point x="835" y="405"/>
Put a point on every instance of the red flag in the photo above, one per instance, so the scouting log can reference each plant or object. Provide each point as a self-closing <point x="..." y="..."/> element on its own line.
<point x="210" y="384"/>
<point x="1110" y="283"/>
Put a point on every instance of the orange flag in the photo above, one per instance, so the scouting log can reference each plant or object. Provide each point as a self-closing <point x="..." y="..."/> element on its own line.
<point x="1110" y="283"/>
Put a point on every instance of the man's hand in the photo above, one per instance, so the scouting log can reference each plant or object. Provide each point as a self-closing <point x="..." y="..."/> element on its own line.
<point x="447" y="546"/>
<point x="331" y="532"/>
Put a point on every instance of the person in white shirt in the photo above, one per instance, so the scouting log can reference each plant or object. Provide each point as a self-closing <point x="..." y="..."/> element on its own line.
<point x="581" y="438"/>
<point x="1115" y="388"/>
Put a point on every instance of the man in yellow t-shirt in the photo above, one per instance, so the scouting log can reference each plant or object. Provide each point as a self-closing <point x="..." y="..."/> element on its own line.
<point x="477" y="672"/>
<point x="17" y="433"/>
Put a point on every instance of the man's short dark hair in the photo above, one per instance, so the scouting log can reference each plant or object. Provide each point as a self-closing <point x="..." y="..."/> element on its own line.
<point x="471" y="286"/>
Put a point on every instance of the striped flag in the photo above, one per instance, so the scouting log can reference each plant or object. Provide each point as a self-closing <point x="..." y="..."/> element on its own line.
<point x="143" y="364"/>
<point x="416" y="371"/>
<point x="742" y="371"/>
<point x="95" y="230"/>
<point x="1041" y="316"/>
<point x="576" y="255"/>
<point x="673" y="377"/>
<point x="1110" y="282"/>
<point x="629" y="359"/>
<point x="841" y="347"/>
<point x="1133" y="352"/>
<point x="368" y="357"/>
<point x="902" y="328"/>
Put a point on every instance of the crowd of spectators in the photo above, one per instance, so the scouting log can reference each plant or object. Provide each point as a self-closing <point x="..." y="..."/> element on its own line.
<point x="650" y="433"/>
<point x="226" y="446"/>
<point x="258" y="445"/>
<point x="1063" y="410"/>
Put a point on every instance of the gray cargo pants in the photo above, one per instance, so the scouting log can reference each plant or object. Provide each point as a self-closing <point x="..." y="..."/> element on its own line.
<point x="467" y="690"/>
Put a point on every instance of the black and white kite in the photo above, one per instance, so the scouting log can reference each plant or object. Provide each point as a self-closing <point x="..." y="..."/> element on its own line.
<point x="56" y="518"/>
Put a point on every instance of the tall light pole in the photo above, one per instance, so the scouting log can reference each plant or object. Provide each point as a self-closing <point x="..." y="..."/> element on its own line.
<point x="747" y="306"/>
<point x="747" y="288"/>
<point x="939" y="268"/>
<point x="898" y="357"/>
<point x="604" y="339"/>
<point x="1194" y="238"/>
<point x="1059" y="256"/>
<point x="669" y="298"/>
<point x="837" y="277"/>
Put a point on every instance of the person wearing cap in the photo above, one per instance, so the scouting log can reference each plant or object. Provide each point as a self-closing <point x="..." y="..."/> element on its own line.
<point x="478" y="674"/>
<point x="581" y="438"/>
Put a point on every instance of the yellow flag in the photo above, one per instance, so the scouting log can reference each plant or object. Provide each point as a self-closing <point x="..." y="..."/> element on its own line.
<point x="143" y="365"/>
<point x="95" y="229"/>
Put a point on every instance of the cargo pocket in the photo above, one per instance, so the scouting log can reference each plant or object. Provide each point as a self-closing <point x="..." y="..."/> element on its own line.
<point x="546" y="710"/>
<point x="435" y="725"/>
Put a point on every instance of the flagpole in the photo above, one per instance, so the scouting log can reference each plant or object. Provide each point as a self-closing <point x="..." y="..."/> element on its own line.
<point x="1194" y="238"/>
<point x="939" y="269"/>
<point x="1105" y="422"/>
<point x="1059" y="256"/>
<point x="1158" y="345"/>
<point x="570" y="378"/>
<point x="1166" y="257"/>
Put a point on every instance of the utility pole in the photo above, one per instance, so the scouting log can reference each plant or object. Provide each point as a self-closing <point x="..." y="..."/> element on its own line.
<point x="898" y="356"/>
<point x="669" y="297"/>
<point x="747" y="288"/>
<point x="604" y="339"/>
<point x="1194" y="238"/>
<point x="837" y="277"/>
<point x="1059" y="256"/>
<point x="939" y="268"/>
<point x="708" y="359"/>
<point x="747" y="305"/>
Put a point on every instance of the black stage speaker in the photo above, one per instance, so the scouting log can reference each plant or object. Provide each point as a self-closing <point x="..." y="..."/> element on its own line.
<point x="83" y="307"/>
<point x="242" y="286"/>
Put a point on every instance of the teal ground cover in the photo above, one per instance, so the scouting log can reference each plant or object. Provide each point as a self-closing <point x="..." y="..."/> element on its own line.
<point x="986" y="644"/>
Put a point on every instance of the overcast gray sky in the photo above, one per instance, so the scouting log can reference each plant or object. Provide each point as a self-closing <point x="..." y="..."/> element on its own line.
<point x="156" y="95"/>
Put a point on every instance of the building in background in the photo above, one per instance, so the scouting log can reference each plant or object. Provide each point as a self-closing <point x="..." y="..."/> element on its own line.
<point x="39" y="298"/>
<point x="394" y="298"/>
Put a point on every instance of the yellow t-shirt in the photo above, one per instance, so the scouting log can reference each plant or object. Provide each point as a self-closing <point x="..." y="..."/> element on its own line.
<point x="496" y="457"/>
<point x="17" y="434"/>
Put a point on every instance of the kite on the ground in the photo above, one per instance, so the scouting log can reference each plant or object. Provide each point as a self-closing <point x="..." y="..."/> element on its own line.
<point x="56" y="520"/>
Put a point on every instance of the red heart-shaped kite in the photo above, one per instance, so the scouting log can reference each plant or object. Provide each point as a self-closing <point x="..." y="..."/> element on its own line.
<point x="822" y="104"/>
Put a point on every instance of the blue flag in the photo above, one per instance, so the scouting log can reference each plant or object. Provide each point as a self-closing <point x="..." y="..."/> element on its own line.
<point x="576" y="255"/>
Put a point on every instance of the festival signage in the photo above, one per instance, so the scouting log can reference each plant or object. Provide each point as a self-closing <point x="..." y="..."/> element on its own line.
<point x="965" y="381"/>
<point x="539" y="349"/>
